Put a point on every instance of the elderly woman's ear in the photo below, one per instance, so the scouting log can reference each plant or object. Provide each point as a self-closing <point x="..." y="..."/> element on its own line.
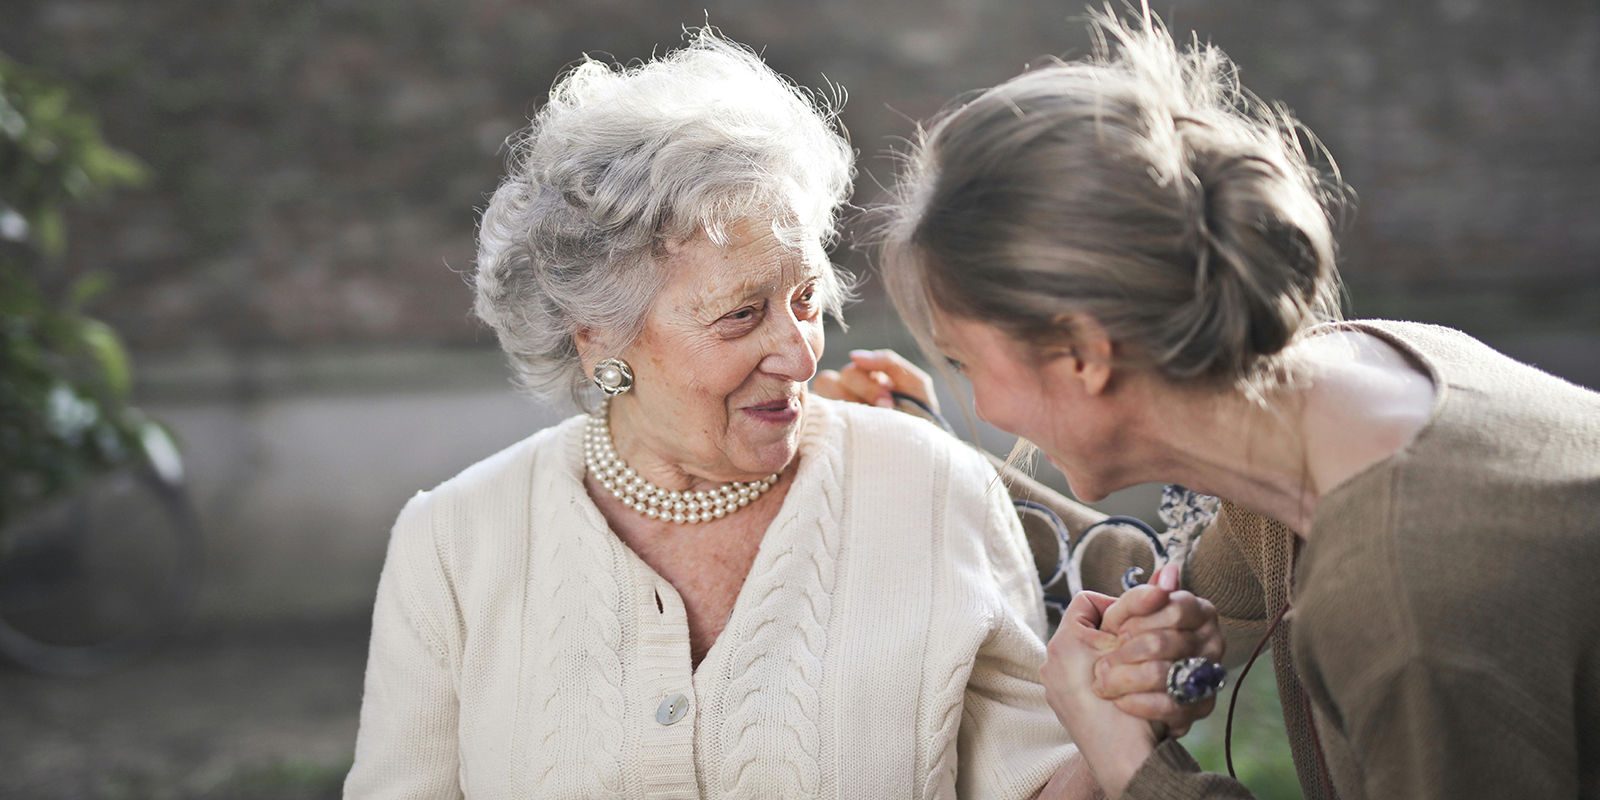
<point x="592" y="346"/>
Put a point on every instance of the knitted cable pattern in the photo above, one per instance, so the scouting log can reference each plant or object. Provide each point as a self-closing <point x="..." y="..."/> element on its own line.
<point x="947" y="703"/>
<point x="577" y="701"/>
<point x="777" y="671"/>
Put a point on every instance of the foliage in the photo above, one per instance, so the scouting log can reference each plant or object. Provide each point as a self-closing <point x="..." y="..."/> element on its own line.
<point x="64" y="376"/>
<point x="1260" y="746"/>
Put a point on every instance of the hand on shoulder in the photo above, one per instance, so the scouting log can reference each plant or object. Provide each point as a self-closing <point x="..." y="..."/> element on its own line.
<point x="872" y="377"/>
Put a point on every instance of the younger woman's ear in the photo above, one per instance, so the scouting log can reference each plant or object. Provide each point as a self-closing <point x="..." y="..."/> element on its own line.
<point x="1091" y="351"/>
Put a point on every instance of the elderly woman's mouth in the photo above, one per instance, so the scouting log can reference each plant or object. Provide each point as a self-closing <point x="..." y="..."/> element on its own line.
<point x="781" y="411"/>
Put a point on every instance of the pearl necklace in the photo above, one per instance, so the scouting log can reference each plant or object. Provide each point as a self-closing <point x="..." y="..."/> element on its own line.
<point x="653" y="501"/>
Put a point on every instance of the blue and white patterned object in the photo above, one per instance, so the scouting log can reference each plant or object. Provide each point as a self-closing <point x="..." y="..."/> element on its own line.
<point x="1185" y="513"/>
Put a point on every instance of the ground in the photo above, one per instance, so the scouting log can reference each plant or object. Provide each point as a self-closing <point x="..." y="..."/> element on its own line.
<point x="270" y="713"/>
<point x="262" y="714"/>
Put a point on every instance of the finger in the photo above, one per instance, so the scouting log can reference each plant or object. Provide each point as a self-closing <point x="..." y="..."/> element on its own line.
<point x="1136" y="603"/>
<point x="1086" y="610"/>
<point x="1101" y="602"/>
<point x="1094" y="638"/>
<point x="1076" y="630"/>
<point x="837" y="388"/>
<point x="1216" y="647"/>
<point x="1159" y="707"/>
<point x="1167" y="577"/>
<point x="1184" y="610"/>
<point x="827" y="384"/>
<point x="1205" y="642"/>
<point x="905" y="376"/>
<point x="872" y="388"/>
<point x="1079" y="628"/>
<point x="1164" y="644"/>
<point x="1112" y="680"/>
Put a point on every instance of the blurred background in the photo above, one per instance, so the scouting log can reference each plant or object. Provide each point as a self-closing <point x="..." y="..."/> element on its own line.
<point x="290" y="277"/>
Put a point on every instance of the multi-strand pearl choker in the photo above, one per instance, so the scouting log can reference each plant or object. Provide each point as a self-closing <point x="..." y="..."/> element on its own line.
<point x="653" y="501"/>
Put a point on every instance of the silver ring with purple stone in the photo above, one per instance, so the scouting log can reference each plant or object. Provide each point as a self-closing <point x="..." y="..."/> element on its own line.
<point x="1194" y="679"/>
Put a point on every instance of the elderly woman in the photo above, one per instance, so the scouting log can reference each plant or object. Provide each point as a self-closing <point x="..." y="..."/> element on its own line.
<point x="713" y="584"/>
<point x="1131" y="261"/>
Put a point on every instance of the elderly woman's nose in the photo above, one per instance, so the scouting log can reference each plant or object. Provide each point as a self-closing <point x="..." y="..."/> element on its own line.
<point x="791" y="353"/>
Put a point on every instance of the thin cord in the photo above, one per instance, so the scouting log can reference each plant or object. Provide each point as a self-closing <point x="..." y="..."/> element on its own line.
<point x="1238" y="686"/>
<point x="924" y="407"/>
<point x="1305" y="701"/>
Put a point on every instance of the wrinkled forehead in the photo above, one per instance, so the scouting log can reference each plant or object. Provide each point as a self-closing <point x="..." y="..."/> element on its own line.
<point x="753" y="262"/>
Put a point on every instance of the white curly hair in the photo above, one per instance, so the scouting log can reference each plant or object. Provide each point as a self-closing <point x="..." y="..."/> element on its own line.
<point x="623" y="160"/>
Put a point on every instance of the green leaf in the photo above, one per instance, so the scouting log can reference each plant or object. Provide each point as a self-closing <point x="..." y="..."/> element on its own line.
<point x="107" y="167"/>
<point x="18" y="296"/>
<point x="12" y="122"/>
<point x="87" y="287"/>
<point x="50" y="232"/>
<point x="106" y="346"/>
<point x="64" y="377"/>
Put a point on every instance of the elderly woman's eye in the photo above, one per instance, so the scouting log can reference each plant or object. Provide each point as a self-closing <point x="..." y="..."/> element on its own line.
<point x="807" y="300"/>
<point x="954" y="364"/>
<point x="746" y="314"/>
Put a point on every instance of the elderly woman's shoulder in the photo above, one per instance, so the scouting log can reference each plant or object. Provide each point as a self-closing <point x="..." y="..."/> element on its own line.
<point x="494" y="482"/>
<point x="901" y="437"/>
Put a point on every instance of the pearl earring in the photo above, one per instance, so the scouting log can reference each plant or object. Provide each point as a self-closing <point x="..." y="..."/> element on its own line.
<point x="613" y="376"/>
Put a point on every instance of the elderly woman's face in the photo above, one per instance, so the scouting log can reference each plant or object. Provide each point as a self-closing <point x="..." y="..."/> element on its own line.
<point x="722" y="363"/>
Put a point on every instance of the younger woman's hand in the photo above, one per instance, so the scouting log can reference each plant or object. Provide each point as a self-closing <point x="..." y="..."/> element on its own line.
<point x="1155" y="625"/>
<point x="1113" y="743"/>
<point x="871" y="376"/>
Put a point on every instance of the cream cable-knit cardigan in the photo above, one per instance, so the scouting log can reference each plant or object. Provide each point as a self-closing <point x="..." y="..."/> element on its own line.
<point x="886" y="643"/>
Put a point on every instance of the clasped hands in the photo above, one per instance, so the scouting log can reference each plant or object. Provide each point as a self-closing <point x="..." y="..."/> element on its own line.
<point x="1105" y="674"/>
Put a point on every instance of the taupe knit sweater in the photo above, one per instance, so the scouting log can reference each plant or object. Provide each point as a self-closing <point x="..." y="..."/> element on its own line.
<point x="1445" y="628"/>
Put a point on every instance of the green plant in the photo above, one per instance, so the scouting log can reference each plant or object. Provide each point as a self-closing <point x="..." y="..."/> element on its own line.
<point x="1260" y="746"/>
<point x="64" y="376"/>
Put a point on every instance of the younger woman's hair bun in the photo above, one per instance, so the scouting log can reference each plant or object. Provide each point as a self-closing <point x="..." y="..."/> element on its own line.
<point x="1142" y="186"/>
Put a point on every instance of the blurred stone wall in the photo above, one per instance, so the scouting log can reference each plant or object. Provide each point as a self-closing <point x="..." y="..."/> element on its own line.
<point x="293" y="282"/>
<point x="319" y="162"/>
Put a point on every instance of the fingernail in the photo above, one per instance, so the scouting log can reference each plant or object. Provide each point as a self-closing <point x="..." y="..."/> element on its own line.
<point x="1169" y="579"/>
<point x="860" y="353"/>
<point x="884" y="402"/>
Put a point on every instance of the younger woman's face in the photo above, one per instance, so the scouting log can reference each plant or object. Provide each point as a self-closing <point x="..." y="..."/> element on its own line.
<point x="1037" y="397"/>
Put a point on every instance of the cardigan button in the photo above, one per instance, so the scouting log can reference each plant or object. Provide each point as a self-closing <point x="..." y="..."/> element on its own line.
<point x="672" y="709"/>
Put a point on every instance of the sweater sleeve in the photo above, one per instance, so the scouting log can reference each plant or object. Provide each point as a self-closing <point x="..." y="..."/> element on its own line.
<point x="1009" y="742"/>
<point x="1011" y="562"/>
<point x="1170" y="773"/>
<point x="407" y="744"/>
<point x="1218" y="570"/>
